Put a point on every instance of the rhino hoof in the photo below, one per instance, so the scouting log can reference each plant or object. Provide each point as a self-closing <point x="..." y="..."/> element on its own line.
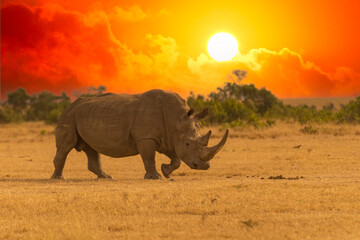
<point x="104" y="176"/>
<point x="165" y="170"/>
<point x="56" y="177"/>
<point x="152" y="176"/>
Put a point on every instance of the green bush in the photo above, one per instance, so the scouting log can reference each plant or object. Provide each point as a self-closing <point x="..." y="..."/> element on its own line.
<point x="47" y="107"/>
<point x="18" y="99"/>
<point x="234" y="105"/>
<point x="8" y="115"/>
<point x="349" y="113"/>
<point x="53" y="116"/>
<point x="239" y="105"/>
<point x="44" y="106"/>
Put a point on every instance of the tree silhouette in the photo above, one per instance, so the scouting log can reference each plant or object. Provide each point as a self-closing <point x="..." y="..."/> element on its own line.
<point x="18" y="99"/>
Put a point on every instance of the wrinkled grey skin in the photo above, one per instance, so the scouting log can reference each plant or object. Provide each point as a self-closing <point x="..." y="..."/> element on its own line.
<point x="120" y="125"/>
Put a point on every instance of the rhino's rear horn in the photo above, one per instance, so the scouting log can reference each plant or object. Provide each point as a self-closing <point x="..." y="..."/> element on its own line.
<point x="204" y="140"/>
<point x="209" y="152"/>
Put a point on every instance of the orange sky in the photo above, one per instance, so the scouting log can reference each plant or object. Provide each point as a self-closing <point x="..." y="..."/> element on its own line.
<point x="303" y="49"/>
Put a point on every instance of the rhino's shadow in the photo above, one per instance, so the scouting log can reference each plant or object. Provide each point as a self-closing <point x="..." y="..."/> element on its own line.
<point x="32" y="180"/>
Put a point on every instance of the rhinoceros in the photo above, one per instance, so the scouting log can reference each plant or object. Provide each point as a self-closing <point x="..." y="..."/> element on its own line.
<point x="121" y="125"/>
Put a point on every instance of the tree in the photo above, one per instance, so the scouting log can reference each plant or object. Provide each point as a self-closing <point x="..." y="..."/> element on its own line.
<point x="18" y="99"/>
<point x="94" y="91"/>
<point x="47" y="106"/>
<point x="349" y="113"/>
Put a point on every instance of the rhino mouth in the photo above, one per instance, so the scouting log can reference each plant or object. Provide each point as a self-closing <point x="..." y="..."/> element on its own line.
<point x="199" y="165"/>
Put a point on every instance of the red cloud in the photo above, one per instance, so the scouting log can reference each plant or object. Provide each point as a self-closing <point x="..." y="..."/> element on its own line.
<point x="58" y="50"/>
<point x="51" y="48"/>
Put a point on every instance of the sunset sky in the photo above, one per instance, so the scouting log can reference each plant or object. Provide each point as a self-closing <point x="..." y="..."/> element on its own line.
<point x="293" y="48"/>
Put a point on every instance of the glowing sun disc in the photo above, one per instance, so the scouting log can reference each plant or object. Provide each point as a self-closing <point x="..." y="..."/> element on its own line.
<point x="222" y="47"/>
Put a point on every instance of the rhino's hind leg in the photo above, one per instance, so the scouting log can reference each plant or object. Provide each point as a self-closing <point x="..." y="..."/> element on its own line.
<point x="147" y="150"/>
<point x="66" y="138"/>
<point x="59" y="162"/>
<point x="94" y="162"/>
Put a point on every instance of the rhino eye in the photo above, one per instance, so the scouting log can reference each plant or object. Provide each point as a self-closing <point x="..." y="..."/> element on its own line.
<point x="187" y="144"/>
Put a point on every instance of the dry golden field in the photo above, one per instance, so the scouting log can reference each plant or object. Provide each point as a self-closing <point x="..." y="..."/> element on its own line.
<point x="235" y="199"/>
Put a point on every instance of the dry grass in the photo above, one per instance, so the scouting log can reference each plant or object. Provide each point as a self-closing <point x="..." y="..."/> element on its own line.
<point x="234" y="199"/>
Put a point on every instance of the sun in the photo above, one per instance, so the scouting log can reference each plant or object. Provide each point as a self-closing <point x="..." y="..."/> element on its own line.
<point x="222" y="47"/>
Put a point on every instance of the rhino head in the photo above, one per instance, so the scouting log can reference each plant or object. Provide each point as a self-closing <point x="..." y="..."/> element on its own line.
<point x="190" y="146"/>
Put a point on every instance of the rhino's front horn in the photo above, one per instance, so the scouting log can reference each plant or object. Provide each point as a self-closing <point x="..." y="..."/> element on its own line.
<point x="209" y="152"/>
<point x="204" y="140"/>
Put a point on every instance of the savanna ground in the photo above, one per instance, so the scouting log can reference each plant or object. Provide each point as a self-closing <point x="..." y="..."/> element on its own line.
<point x="235" y="199"/>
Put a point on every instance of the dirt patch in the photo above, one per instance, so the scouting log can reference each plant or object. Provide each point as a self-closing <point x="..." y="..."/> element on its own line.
<point x="281" y="177"/>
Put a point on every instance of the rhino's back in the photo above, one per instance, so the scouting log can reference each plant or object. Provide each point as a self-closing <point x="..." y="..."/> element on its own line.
<point x="105" y="123"/>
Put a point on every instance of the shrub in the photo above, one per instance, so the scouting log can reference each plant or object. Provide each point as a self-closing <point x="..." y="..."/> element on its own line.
<point x="233" y="105"/>
<point x="349" y="113"/>
<point x="309" y="130"/>
<point x="18" y="99"/>
<point x="8" y="114"/>
<point x="53" y="116"/>
<point x="237" y="105"/>
<point x="47" y="107"/>
<point x="44" y="106"/>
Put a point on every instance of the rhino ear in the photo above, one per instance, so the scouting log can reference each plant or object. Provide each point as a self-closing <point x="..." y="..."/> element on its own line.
<point x="190" y="112"/>
<point x="202" y="114"/>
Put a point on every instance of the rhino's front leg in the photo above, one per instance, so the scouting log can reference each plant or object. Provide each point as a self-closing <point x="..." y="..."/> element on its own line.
<point x="167" y="169"/>
<point x="147" y="150"/>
